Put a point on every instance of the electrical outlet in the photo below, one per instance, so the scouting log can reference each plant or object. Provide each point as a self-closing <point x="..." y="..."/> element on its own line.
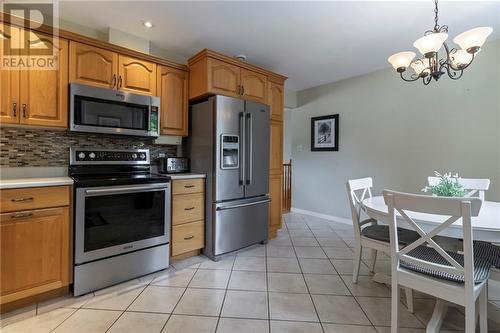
<point x="299" y="148"/>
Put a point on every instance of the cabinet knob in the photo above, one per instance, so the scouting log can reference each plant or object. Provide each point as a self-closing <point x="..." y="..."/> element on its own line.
<point x="22" y="199"/>
<point x="21" y="215"/>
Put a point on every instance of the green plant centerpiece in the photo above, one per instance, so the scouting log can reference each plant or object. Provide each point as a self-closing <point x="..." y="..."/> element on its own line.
<point x="448" y="186"/>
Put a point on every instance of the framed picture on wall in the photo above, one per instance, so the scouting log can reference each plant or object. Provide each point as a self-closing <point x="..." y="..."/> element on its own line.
<point x="325" y="133"/>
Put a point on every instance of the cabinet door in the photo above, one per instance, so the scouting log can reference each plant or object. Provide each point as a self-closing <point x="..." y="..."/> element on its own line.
<point x="173" y="91"/>
<point x="136" y="75"/>
<point x="35" y="252"/>
<point x="92" y="65"/>
<point x="44" y="93"/>
<point x="276" y="147"/>
<point x="9" y="80"/>
<point x="223" y="78"/>
<point x="254" y="86"/>
<point x="275" y="205"/>
<point x="276" y="100"/>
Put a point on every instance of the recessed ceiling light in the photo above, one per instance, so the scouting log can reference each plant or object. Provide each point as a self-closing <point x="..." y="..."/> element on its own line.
<point x="147" y="24"/>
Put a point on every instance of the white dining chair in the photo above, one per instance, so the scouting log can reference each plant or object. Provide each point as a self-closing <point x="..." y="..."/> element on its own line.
<point x="369" y="234"/>
<point x="449" y="276"/>
<point x="473" y="186"/>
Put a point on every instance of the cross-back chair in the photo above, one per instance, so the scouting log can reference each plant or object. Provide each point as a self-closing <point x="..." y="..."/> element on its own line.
<point x="425" y="266"/>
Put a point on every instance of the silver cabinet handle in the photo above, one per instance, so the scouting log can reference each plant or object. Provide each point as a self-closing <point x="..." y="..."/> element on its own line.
<point x="250" y="149"/>
<point x="242" y="152"/>
<point x="22" y="199"/>
<point x="20" y="216"/>
<point x="244" y="205"/>
<point x="189" y="237"/>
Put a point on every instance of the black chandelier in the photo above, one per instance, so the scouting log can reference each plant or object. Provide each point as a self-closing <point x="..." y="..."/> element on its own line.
<point x="430" y="66"/>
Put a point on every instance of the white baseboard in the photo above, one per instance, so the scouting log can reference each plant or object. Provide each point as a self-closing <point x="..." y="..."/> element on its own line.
<point x="342" y="220"/>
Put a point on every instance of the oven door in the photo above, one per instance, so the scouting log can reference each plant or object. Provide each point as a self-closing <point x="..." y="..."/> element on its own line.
<point x="100" y="110"/>
<point x="118" y="219"/>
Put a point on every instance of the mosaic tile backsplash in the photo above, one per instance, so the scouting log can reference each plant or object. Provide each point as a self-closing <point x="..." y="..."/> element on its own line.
<point x="28" y="147"/>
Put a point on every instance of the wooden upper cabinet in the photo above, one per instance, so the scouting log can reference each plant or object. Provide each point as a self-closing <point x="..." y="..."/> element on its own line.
<point x="92" y="65"/>
<point x="35" y="252"/>
<point x="136" y="75"/>
<point x="44" y="93"/>
<point x="223" y="78"/>
<point x="254" y="86"/>
<point x="173" y="92"/>
<point x="9" y="83"/>
<point x="276" y="100"/>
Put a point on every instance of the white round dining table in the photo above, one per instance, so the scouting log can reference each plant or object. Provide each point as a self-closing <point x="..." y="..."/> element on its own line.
<point x="485" y="226"/>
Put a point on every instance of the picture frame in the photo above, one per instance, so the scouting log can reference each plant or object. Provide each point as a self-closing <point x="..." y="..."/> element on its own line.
<point x="325" y="133"/>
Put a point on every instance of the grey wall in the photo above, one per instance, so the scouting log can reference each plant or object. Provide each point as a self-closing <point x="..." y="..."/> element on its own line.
<point x="399" y="133"/>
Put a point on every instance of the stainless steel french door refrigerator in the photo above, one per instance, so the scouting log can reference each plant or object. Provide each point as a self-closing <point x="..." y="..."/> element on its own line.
<point x="229" y="142"/>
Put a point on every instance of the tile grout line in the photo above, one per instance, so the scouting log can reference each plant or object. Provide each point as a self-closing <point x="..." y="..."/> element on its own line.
<point x="225" y="293"/>
<point x="305" y="282"/>
<point x="352" y="295"/>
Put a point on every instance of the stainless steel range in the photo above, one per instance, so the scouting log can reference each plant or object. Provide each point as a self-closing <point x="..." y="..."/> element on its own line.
<point x="121" y="216"/>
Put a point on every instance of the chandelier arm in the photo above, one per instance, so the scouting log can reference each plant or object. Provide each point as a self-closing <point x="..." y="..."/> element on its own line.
<point x="411" y="79"/>
<point x="453" y="73"/>
<point x="426" y="80"/>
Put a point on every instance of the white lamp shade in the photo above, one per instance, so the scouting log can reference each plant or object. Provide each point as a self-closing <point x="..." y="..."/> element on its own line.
<point x="421" y="66"/>
<point x="401" y="59"/>
<point x="473" y="38"/>
<point x="460" y="58"/>
<point x="431" y="42"/>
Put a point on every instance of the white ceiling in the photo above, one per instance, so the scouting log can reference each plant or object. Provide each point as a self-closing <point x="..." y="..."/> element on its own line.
<point x="311" y="42"/>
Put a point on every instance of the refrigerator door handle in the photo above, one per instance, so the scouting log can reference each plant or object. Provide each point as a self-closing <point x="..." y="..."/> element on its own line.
<point x="250" y="149"/>
<point x="244" y="205"/>
<point x="243" y="150"/>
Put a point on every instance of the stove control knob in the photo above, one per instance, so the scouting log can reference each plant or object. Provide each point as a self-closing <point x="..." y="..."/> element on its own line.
<point x="81" y="155"/>
<point x="134" y="156"/>
<point x="143" y="156"/>
<point x="92" y="155"/>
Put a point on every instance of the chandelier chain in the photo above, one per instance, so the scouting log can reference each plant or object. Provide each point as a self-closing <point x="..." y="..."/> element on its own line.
<point x="436" y="17"/>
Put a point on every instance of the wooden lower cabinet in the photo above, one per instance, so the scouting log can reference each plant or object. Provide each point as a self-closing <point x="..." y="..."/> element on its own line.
<point x="188" y="217"/>
<point x="275" y="191"/>
<point x="188" y="237"/>
<point x="35" y="251"/>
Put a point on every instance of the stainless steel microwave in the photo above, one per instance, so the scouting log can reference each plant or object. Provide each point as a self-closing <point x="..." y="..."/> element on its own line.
<point x="110" y="111"/>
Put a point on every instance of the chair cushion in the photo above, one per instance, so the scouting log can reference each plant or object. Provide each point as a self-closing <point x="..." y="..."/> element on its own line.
<point x="481" y="266"/>
<point x="381" y="233"/>
<point x="488" y="252"/>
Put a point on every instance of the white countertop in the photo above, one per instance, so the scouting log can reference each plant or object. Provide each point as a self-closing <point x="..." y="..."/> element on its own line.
<point x="175" y="176"/>
<point x="34" y="182"/>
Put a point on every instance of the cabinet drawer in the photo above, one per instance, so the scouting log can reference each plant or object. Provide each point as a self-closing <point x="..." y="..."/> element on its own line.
<point x="188" y="208"/>
<point x="33" y="198"/>
<point x="187" y="237"/>
<point x="185" y="186"/>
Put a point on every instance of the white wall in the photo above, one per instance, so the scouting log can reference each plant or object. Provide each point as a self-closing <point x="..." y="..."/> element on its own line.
<point x="399" y="133"/>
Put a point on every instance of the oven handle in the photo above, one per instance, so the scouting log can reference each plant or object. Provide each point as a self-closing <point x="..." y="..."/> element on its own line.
<point x="126" y="189"/>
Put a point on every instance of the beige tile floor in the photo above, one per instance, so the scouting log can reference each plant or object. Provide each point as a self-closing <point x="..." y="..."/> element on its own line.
<point x="299" y="282"/>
